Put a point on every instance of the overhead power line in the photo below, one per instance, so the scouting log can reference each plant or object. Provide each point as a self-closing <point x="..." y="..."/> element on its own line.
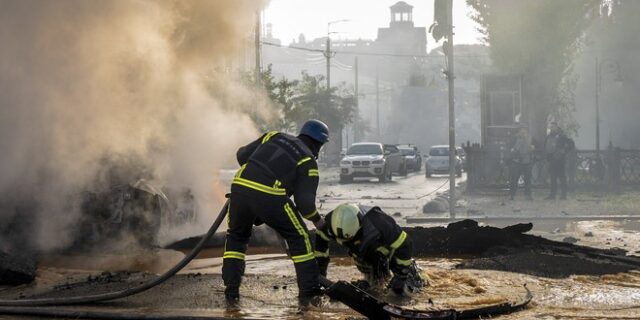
<point x="359" y="53"/>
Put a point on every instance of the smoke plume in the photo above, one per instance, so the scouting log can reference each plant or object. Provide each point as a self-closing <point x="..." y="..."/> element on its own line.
<point x="85" y="84"/>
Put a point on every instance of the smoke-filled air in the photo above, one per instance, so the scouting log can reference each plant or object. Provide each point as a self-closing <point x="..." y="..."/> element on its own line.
<point x="96" y="93"/>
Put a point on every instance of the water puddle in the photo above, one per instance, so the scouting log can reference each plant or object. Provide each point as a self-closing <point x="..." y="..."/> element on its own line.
<point x="269" y="288"/>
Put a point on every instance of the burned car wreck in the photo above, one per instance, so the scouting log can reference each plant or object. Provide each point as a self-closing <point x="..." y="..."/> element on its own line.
<point x="138" y="209"/>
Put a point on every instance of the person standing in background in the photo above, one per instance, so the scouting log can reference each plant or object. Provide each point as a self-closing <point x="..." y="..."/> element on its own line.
<point x="555" y="147"/>
<point x="521" y="160"/>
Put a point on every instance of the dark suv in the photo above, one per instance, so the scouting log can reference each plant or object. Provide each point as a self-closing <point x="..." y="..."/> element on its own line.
<point x="412" y="156"/>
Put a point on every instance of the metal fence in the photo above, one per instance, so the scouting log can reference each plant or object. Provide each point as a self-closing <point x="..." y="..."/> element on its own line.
<point x="609" y="169"/>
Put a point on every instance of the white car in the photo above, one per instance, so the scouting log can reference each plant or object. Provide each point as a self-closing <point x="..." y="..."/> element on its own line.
<point x="438" y="161"/>
<point x="371" y="159"/>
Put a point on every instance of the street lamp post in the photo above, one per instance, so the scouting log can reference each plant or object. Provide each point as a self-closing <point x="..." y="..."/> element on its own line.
<point x="327" y="53"/>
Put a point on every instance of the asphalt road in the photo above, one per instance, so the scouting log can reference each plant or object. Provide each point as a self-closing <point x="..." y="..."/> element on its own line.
<point x="406" y="195"/>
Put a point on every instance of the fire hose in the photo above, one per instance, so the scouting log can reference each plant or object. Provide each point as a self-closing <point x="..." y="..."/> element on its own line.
<point x="342" y="291"/>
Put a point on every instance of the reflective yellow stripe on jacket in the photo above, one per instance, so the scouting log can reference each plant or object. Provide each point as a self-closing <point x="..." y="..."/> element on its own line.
<point x="310" y="215"/>
<point x="401" y="238"/>
<point x="259" y="187"/>
<point x="268" y="136"/>
<point x="395" y="245"/>
<point x="303" y="160"/>
<point x="274" y="190"/>
<point x="403" y="262"/>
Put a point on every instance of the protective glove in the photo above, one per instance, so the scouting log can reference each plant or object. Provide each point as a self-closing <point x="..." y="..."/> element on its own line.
<point x="406" y="280"/>
<point x="398" y="285"/>
<point x="380" y="267"/>
<point x="320" y="223"/>
<point x="323" y="264"/>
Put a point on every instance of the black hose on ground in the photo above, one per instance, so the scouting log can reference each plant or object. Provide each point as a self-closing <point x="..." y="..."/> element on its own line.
<point x="122" y="293"/>
<point x="84" y="314"/>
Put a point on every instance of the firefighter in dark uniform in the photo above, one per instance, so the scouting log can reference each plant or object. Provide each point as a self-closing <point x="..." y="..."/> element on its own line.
<point x="375" y="242"/>
<point x="273" y="168"/>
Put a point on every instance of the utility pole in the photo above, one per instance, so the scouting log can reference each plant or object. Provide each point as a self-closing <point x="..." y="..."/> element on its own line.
<point x="357" y="97"/>
<point x="452" y="114"/>
<point x="258" y="49"/>
<point x="327" y="54"/>
<point x="355" y="81"/>
<point x="377" y="104"/>
<point x="598" y="70"/>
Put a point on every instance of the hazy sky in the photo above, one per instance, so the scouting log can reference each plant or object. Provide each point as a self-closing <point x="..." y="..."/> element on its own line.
<point x="292" y="17"/>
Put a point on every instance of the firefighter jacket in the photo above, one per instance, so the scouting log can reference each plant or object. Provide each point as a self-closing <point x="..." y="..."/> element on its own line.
<point x="379" y="237"/>
<point x="279" y="165"/>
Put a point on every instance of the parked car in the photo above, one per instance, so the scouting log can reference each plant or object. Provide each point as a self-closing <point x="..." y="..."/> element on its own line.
<point x="412" y="156"/>
<point x="438" y="161"/>
<point x="371" y="159"/>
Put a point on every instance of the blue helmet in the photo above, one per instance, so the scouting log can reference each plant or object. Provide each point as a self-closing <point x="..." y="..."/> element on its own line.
<point x="316" y="130"/>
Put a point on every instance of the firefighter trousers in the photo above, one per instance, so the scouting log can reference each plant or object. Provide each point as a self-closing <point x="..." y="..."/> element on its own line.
<point x="278" y="213"/>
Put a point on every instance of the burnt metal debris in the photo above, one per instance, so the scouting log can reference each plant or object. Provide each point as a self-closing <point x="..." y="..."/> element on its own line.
<point x="374" y="308"/>
<point x="486" y="247"/>
<point x="139" y="209"/>
<point x="16" y="269"/>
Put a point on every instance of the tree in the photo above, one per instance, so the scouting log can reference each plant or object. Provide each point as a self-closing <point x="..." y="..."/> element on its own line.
<point x="538" y="39"/>
<point x="280" y="93"/>
<point x="300" y="100"/>
<point x="336" y="106"/>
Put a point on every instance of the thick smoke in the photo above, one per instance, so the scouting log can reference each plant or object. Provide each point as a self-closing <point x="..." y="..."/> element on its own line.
<point x="86" y="84"/>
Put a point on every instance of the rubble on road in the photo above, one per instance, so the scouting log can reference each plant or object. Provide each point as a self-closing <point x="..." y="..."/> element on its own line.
<point x="487" y="247"/>
<point x="437" y="205"/>
<point x="16" y="269"/>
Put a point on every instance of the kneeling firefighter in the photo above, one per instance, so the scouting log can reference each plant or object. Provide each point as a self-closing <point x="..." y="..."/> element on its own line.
<point x="375" y="242"/>
<point x="273" y="168"/>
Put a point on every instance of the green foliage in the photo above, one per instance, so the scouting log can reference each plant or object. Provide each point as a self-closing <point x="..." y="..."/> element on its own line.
<point x="336" y="106"/>
<point x="300" y="100"/>
<point x="281" y="92"/>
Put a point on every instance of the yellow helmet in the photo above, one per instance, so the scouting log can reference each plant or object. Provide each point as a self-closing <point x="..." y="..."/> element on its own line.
<point x="344" y="221"/>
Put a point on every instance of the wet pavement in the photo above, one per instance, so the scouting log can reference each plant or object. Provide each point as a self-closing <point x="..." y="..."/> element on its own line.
<point x="269" y="289"/>
<point x="403" y="195"/>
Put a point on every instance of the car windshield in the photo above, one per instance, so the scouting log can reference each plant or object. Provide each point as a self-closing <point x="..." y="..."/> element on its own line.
<point x="439" y="152"/>
<point x="365" y="149"/>
<point x="407" y="152"/>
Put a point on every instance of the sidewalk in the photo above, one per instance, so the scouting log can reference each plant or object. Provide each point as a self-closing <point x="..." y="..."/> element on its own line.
<point x="580" y="204"/>
<point x="589" y="218"/>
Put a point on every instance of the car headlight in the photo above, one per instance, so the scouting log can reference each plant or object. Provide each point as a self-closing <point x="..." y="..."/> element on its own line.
<point x="378" y="162"/>
<point x="345" y="162"/>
